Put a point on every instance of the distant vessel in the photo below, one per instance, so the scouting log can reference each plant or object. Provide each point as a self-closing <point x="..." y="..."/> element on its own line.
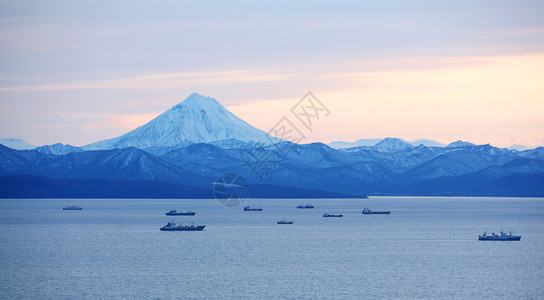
<point x="174" y="212"/>
<point x="171" y="226"/>
<point x="247" y="208"/>
<point x="367" y="211"/>
<point x="502" y="237"/>
<point x="73" y="207"/>
<point x="305" y="206"/>
<point x="285" y="222"/>
<point x="327" y="215"/>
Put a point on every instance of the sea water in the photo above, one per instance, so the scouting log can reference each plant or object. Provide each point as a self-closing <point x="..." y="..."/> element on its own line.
<point x="426" y="248"/>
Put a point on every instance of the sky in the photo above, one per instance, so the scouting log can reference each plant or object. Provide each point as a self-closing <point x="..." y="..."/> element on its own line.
<point x="76" y="72"/>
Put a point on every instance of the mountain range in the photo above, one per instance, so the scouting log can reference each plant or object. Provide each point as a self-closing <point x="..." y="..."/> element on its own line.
<point x="182" y="152"/>
<point x="372" y="142"/>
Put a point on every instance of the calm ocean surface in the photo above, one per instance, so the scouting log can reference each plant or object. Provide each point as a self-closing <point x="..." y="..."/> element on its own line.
<point x="426" y="248"/>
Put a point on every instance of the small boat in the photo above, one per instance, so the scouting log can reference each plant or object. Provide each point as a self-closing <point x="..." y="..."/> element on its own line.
<point x="367" y="211"/>
<point x="502" y="237"/>
<point x="73" y="207"/>
<point x="305" y="206"/>
<point x="327" y="215"/>
<point x="284" y="222"/>
<point x="174" y="212"/>
<point x="171" y="226"/>
<point x="247" y="208"/>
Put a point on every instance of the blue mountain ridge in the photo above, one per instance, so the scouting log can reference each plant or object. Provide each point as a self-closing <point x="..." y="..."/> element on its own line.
<point x="311" y="168"/>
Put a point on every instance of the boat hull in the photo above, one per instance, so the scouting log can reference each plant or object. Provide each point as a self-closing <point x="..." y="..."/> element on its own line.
<point x="72" y="208"/>
<point x="254" y="209"/>
<point x="491" y="238"/>
<point x="377" y="213"/>
<point x="285" y="222"/>
<point x="196" y="228"/>
<point x="180" y="214"/>
<point x="333" y="216"/>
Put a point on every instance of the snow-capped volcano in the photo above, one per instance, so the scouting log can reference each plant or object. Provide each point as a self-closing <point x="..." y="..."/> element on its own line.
<point x="198" y="119"/>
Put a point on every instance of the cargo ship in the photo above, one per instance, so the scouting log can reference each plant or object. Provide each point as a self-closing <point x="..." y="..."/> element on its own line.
<point x="174" y="212"/>
<point x="247" y="208"/>
<point x="367" y="211"/>
<point x="284" y="222"/>
<point x="171" y="226"/>
<point x="327" y="215"/>
<point x="72" y="208"/>
<point x="496" y="237"/>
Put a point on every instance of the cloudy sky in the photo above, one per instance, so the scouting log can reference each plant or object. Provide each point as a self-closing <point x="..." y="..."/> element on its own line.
<point x="80" y="71"/>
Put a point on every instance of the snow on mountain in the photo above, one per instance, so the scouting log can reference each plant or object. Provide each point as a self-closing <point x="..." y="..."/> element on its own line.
<point x="537" y="153"/>
<point x="58" y="149"/>
<point x="373" y="142"/>
<point x="518" y="147"/>
<point x="17" y="144"/>
<point x="233" y="144"/>
<point x="459" y="143"/>
<point x="517" y="166"/>
<point x="454" y="163"/>
<point x="359" y="143"/>
<point x="198" y="119"/>
<point x="427" y="142"/>
<point x="393" y="144"/>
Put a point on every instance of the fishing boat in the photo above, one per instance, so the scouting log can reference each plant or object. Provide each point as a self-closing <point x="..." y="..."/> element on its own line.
<point x="327" y="215"/>
<point x="174" y="212"/>
<point x="171" y="226"/>
<point x="367" y="211"/>
<point x="305" y="206"/>
<point x="496" y="237"/>
<point x="284" y="222"/>
<point x="247" y="208"/>
<point x="73" y="207"/>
